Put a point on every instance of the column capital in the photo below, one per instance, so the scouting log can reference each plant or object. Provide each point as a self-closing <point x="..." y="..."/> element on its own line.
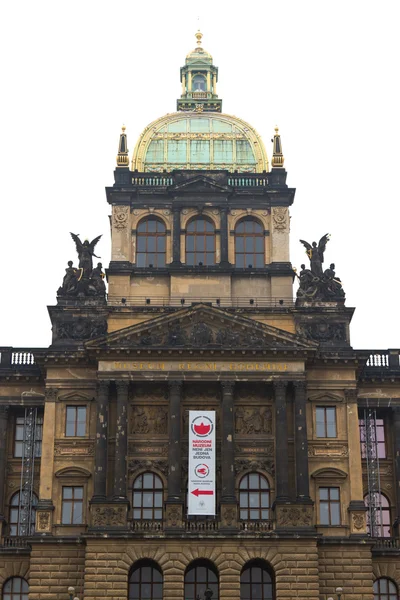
<point x="175" y="385"/>
<point x="4" y="410"/>
<point x="228" y="387"/>
<point x="396" y="413"/>
<point x="300" y="385"/>
<point x="280" y="385"/>
<point x="103" y="386"/>
<point x="351" y="395"/>
<point x="50" y="394"/>
<point x="122" y="386"/>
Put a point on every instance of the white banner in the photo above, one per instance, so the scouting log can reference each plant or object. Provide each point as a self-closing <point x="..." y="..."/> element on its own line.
<point x="201" y="478"/>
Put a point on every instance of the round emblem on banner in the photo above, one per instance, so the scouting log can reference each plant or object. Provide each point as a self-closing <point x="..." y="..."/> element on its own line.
<point x="201" y="471"/>
<point x="202" y="426"/>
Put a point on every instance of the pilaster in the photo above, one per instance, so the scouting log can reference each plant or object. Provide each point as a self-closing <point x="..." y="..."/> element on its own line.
<point x="228" y="497"/>
<point x="396" y="441"/>
<point x="45" y="506"/>
<point x="357" y="509"/>
<point x="100" y="465"/>
<point x="4" y="412"/>
<point x="174" y="504"/>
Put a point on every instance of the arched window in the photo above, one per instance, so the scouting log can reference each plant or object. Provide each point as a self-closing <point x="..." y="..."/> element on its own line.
<point x="254" y="498"/>
<point x="256" y="582"/>
<point x="200" y="242"/>
<point x="19" y="521"/>
<point x="146" y="581"/>
<point x="382" y="520"/>
<point x="385" y="589"/>
<point x="249" y="244"/>
<point x="147" y="497"/>
<point x="150" y="250"/>
<point x="15" y="588"/>
<point x="200" y="576"/>
<point x="199" y="83"/>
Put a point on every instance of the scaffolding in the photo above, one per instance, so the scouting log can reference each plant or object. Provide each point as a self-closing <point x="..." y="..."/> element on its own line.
<point x="25" y="513"/>
<point x="373" y="473"/>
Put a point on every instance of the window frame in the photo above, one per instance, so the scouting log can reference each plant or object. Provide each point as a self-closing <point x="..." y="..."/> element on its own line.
<point x="249" y="490"/>
<point x="386" y="510"/>
<point x="329" y="501"/>
<point x="16" y="507"/>
<point x="72" y="502"/>
<point x="253" y="236"/>
<point x="139" y="566"/>
<point x="265" y="569"/>
<point x="157" y="235"/>
<point x="325" y="408"/>
<point x="76" y="407"/>
<point x="389" y="595"/>
<point x="15" y="595"/>
<point x="199" y="255"/>
<point x="39" y="438"/>
<point x="379" y="443"/>
<point x="142" y="491"/>
<point x="211" y="568"/>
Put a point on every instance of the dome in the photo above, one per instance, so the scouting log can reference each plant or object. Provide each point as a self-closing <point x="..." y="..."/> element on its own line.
<point x="199" y="141"/>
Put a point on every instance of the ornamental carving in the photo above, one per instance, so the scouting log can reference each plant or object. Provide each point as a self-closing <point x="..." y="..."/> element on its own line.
<point x="173" y="515"/>
<point x="120" y="217"/>
<point x="149" y="419"/>
<point x="293" y="516"/>
<point x="79" y="329"/>
<point x="253" y="420"/>
<point x="43" y="521"/>
<point x="149" y="394"/>
<point x="323" y="331"/>
<point x="159" y="465"/>
<point x="108" y="516"/>
<point x="358" y="521"/>
<point x="228" y="516"/>
<point x="254" y="464"/>
<point x="280" y="219"/>
<point x="328" y="449"/>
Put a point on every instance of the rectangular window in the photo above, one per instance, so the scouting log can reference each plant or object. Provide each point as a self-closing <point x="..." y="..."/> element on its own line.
<point x="20" y="437"/>
<point x="329" y="506"/>
<point x="72" y="505"/>
<point x="75" y="423"/>
<point x="326" y="421"/>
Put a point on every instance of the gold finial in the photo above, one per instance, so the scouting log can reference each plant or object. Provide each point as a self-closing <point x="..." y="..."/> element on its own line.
<point x="199" y="36"/>
<point x="277" y="155"/>
<point x="122" y="158"/>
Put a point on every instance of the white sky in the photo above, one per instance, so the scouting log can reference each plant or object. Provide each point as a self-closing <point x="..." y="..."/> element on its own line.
<point x="326" y="72"/>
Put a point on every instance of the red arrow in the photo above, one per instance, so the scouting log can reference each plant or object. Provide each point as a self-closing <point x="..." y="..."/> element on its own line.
<point x="203" y="492"/>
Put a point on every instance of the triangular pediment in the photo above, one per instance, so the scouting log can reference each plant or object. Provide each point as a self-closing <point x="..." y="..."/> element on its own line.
<point x="203" y="327"/>
<point x="200" y="183"/>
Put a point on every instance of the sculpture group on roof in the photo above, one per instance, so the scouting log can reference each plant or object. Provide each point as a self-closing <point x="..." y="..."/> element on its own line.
<point x="315" y="283"/>
<point x="84" y="280"/>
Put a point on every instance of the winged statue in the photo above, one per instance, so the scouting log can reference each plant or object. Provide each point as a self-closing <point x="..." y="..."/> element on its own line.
<point x="85" y="252"/>
<point x="316" y="254"/>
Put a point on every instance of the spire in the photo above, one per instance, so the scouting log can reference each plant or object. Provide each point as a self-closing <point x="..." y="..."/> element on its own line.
<point x="277" y="156"/>
<point x="122" y="158"/>
<point x="199" y="81"/>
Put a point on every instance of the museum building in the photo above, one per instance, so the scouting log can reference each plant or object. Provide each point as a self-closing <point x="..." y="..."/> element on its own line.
<point x="199" y="315"/>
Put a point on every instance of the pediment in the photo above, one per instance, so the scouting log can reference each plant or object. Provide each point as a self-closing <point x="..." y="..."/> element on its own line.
<point x="200" y="183"/>
<point x="203" y="327"/>
<point x="325" y="397"/>
<point x="75" y="397"/>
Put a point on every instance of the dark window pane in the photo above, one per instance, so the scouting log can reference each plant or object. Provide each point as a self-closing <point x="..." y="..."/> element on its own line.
<point x="239" y="244"/>
<point x="67" y="492"/>
<point x="161" y="244"/>
<point x="334" y="493"/>
<point x="259" y="261"/>
<point x="210" y="242"/>
<point x="335" y="514"/>
<point x="151" y="225"/>
<point x="190" y="258"/>
<point x="78" y="492"/>
<point x="323" y="493"/>
<point x="66" y="513"/>
<point x="141" y="260"/>
<point x="141" y="243"/>
<point x="324" y="513"/>
<point x="249" y="244"/>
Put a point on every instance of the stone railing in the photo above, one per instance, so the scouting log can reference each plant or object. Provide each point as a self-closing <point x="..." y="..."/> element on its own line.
<point x="226" y="302"/>
<point x="16" y="358"/>
<point x="206" y="526"/>
<point x="146" y="526"/>
<point x="387" y="544"/>
<point x="15" y="542"/>
<point x="256" y="526"/>
<point x="248" y="181"/>
<point x="381" y="359"/>
<point x="152" y="181"/>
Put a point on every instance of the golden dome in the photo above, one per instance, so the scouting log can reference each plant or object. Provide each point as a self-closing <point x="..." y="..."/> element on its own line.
<point x="198" y="54"/>
<point x="199" y="141"/>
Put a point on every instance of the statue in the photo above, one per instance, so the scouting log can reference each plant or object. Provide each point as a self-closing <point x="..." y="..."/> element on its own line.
<point x="84" y="281"/>
<point x="316" y="254"/>
<point x="315" y="284"/>
<point x="70" y="280"/>
<point x="97" y="279"/>
<point x="85" y="252"/>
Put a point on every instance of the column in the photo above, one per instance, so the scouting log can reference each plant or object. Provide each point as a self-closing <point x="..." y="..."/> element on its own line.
<point x="300" y="420"/>
<point x="396" y="439"/>
<point x="281" y="442"/>
<point x="121" y="442"/>
<point x="183" y="84"/>
<point x="189" y="81"/>
<point x="214" y="84"/>
<point x="100" y="461"/>
<point x="224" y="236"/>
<point x="208" y="82"/>
<point x="45" y="507"/>
<point x="176" y="236"/>
<point x="174" y="447"/>
<point x="4" y="410"/>
<point x="228" y="450"/>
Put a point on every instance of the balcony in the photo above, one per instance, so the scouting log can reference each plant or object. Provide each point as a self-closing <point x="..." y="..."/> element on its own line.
<point x="384" y="546"/>
<point x="225" y="302"/>
<point x="380" y="364"/>
<point x="16" y="360"/>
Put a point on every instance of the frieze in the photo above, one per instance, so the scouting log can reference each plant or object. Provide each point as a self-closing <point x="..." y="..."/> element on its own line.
<point x="153" y="449"/>
<point x="260" y="447"/>
<point x="77" y="448"/>
<point x="254" y="464"/>
<point x="358" y="521"/>
<point x="120" y="216"/>
<point x="173" y="515"/>
<point x="228" y="516"/>
<point x="108" y="516"/>
<point x="253" y="420"/>
<point x="43" y="521"/>
<point x="323" y="331"/>
<point x="148" y="419"/>
<point x="206" y="366"/>
<point x="293" y="516"/>
<point x="280" y="219"/>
